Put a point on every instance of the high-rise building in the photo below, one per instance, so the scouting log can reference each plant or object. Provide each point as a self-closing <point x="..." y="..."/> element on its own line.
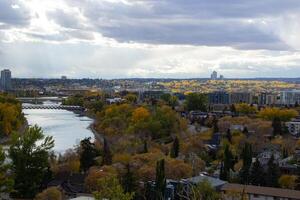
<point x="218" y="98"/>
<point x="241" y="97"/>
<point x="6" y="80"/>
<point x="214" y="75"/>
<point x="289" y="97"/>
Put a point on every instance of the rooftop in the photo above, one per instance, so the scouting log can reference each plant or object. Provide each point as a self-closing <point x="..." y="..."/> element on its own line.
<point x="266" y="191"/>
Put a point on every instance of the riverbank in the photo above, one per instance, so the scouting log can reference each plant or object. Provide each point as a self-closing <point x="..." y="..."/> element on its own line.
<point x="5" y="140"/>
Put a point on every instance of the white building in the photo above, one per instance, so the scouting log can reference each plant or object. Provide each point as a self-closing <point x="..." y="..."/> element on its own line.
<point x="294" y="127"/>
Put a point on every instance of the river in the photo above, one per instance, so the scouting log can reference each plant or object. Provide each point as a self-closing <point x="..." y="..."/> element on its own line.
<point x="67" y="128"/>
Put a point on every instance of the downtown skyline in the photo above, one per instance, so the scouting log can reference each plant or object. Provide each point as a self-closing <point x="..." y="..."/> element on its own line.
<point x="149" y="38"/>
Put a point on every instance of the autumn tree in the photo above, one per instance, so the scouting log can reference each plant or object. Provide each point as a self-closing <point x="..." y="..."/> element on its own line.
<point x="287" y="181"/>
<point x="281" y="114"/>
<point x="110" y="188"/>
<point x="94" y="174"/>
<point x="175" y="148"/>
<point x="245" y="109"/>
<point x="131" y="98"/>
<point x="51" y="193"/>
<point x="29" y="154"/>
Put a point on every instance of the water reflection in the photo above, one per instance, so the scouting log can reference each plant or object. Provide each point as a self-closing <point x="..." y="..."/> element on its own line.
<point x="67" y="128"/>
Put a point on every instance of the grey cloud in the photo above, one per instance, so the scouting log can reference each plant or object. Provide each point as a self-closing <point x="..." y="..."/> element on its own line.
<point x="192" y="22"/>
<point x="13" y="13"/>
<point x="68" y="20"/>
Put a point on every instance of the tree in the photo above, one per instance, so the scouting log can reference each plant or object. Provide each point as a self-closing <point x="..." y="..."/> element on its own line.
<point x="145" y="147"/>
<point x="128" y="180"/>
<point x="233" y="109"/>
<point x="273" y="173"/>
<point x="111" y="189"/>
<point x="247" y="161"/>
<point x="51" y="193"/>
<point x="88" y="153"/>
<point x="201" y="191"/>
<point x="257" y="174"/>
<point x="287" y="181"/>
<point x="196" y="101"/>
<point x="272" y="113"/>
<point x="170" y="100"/>
<point x="285" y="152"/>
<point x="215" y="125"/>
<point x="277" y="126"/>
<point x="228" y="163"/>
<point x="229" y="135"/>
<point x="245" y="109"/>
<point x="245" y="131"/>
<point x="29" y="161"/>
<point x="6" y="181"/>
<point x="175" y="148"/>
<point x="160" y="180"/>
<point x="107" y="157"/>
<point x="131" y="98"/>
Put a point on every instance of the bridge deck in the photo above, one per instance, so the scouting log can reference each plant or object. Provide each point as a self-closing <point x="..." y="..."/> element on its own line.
<point x="53" y="107"/>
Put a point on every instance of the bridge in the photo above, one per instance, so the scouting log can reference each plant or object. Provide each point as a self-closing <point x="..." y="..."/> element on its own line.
<point x="54" y="107"/>
<point x="38" y="100"/>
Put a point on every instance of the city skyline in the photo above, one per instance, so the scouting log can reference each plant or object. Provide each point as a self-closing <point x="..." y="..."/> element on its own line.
<point x="149" y="39"/>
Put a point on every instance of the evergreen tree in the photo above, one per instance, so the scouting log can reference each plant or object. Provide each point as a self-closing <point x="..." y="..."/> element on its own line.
<point x="298" y="179"/>
<point x="247" y="161"/>
<point x="145" y="150"/>
<point x="285" y="153"/>
<point x="277" y="126"/>
<point x="29" y="159"/>
<point x="229" y="162"/>
<point x="107" y="157"/>
<point x="88" y="153"/>
<point x="175" y="148"/>
<point x="128" y="180"/>
<point x="6" y="181"/>
<point x="257" y="174"/>
<point x="215" y="125"/>
<point x="223" y="173"/>
<point x="273" y="173"/>
<point x="245" y="131"/>
<point x="233" y="109"/>
<point x="160" y="181"/>
<point x="229" y="135"/>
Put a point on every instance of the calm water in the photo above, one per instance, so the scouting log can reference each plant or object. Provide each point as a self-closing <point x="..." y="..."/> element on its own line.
<point x="66" y="127"/>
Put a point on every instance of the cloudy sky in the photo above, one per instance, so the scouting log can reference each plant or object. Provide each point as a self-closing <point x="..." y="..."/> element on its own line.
<point x="150" y="38"/>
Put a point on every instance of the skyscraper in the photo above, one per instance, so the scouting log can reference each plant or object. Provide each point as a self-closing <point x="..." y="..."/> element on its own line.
<point x="6" y="80"/>
<point x="214" y="75"/>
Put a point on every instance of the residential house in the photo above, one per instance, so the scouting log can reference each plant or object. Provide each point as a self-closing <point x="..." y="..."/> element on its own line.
<point x="235" y="191"/>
